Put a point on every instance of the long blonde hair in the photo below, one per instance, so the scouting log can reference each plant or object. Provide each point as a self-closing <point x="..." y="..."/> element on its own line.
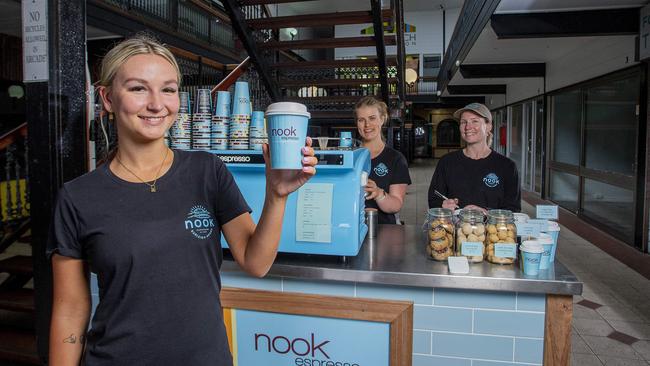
<point x="139" y="44"/>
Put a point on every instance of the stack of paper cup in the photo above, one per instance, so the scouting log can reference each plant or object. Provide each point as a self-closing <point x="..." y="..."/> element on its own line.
<point x="202" y="120"/>
<point x="219" y="134"/>
<point x="240" y="118"/>
<point x="547" y="244"/>
<point x="257" y="131"/>
<point x="181" y="131"/>
<point x="553" y="229"/>
<point x="531" y="256"/>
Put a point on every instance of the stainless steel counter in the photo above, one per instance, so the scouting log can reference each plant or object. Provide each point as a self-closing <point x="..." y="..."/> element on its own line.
<point x="397" y="257"/>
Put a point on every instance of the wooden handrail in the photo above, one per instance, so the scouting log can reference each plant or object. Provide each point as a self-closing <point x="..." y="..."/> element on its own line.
<point x="11" y="136"/>
<point x="232" y="77"/>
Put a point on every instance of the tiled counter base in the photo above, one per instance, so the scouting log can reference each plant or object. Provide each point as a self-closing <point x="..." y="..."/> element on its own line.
<point x="491" y="317"/>
<point x="450" y="327"/>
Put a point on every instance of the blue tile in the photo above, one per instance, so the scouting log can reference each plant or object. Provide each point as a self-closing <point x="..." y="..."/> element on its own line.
<point x="490" y="363"/>
<point x="423" y="360"/>
<point x="421" y="342"/>
<point x="529" y="350"/>
<point x="333" y="288"/>
<point x="474" y="299"/>
<point x="531" y="302"/>
<point x="230" y="279"/>
<point x="443" y="319"/>
<point x="472" y="346"/>
<point x="509" y="323"/>
<point x="419" y="295"/>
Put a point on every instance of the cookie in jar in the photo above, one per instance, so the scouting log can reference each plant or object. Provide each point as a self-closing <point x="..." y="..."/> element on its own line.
<point x="470" y="235"/>
<point x="501" y="238"/>
<point x="440" y="234"/>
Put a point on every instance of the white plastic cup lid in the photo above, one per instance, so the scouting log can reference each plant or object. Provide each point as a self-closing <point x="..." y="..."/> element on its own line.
<point x="531" y="246"/>
<point x="544" y="238"/>
<point x="520" y="217"/>
<point x="553" y="226"/>
<point x="287" y="108"/>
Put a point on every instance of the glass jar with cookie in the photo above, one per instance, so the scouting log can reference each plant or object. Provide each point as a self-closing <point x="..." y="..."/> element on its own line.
<point x="501" y="237"/>
<point x="470" y="235"/>
<point x="440" y="229"/>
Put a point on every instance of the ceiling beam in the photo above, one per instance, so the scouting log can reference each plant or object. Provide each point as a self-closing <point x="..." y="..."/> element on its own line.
<point x="380" y="46"/>
<point x="477" y="89"/>
<point x="522" y="70"/>
<point x="363" y="41"/>
<point x="604" y="22"/>
<point x="473" y="17"/>
<point x="434" y="101"/>
<point x="245" y="34"/>
<point x="317" y="20"/>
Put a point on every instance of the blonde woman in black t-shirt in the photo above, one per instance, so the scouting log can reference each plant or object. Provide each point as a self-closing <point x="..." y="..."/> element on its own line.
<point x="148" y="223"/>
<point x="389" y="175"/>
<point x="475" y="177"/>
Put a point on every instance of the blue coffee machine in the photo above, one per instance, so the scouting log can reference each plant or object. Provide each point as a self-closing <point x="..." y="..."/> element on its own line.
<point x="326" y="215"/>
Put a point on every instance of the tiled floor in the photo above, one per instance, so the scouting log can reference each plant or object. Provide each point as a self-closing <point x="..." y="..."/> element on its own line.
<point x="611" y="320"/>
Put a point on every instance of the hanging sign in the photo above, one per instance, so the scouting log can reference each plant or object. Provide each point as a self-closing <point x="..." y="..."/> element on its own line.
<point x="35" y="44"/>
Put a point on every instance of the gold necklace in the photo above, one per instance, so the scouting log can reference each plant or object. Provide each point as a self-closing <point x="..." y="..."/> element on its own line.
<point x="152" y="186"/>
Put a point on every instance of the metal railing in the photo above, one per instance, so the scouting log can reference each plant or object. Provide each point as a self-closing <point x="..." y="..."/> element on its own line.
<point x="423" y="86"/>
<point x="14" y="173"/>
<point x="184" y="17"/>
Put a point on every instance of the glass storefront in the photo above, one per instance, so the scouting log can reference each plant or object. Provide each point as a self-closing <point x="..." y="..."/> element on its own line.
<point x="593" y="163"/>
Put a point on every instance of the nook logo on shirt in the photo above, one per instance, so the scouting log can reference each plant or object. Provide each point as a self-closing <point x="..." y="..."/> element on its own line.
<point x="491" y="180"/>
<point x="200" y="222"/>
<point x="381" y="169"/>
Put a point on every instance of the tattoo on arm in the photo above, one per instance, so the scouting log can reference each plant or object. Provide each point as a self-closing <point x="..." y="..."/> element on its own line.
<point x="72" y="339"/>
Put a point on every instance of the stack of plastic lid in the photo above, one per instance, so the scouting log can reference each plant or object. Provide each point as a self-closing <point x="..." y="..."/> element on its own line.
<point x="181" y="130"/>
<point x="240" y="118"/>
<point x="202" y="120"/>
<point x="257" y="131"/>
<point x="219" y="133"/>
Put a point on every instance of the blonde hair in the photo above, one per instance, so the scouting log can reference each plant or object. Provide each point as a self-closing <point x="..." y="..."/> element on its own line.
<point x="370" y="101"/>
<point x="140" y="44"/>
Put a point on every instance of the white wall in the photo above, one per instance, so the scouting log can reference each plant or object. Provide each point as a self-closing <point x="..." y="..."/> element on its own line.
<point x="427" y="39"/>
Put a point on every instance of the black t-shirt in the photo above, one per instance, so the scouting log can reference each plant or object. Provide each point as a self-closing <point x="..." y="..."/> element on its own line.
<point x="491" y="182"/>
<point x="157" y="258"/>
<point x="389" y="167"/>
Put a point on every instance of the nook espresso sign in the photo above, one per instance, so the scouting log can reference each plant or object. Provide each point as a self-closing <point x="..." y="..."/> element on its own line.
<point x="262" y="338"/>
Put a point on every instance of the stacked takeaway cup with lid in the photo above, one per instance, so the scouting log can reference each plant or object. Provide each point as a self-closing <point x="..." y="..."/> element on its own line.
<point x="181" y="131"/>
<point x="470" y="235"/>
<point x="440" y="230"/>
<point x="501" y="237"/>
<point x="257" y="131"/>
<point x="219" y="130"/>
<point x="240" y="118"/>
<point x="202" y="120"/>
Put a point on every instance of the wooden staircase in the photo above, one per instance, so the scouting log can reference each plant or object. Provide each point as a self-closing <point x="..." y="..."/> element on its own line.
<point x="328" y="87"/>
<point x="17" y="338"/>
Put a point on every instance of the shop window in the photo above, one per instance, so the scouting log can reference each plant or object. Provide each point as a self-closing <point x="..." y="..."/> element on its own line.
<point x="565" y="190"/>
<point x="430" y="65"/>
<point x="566" y="127"/>
<point x="611" y="126"/>
<point x="448" y="133"/>
<point x="613" y="206"/>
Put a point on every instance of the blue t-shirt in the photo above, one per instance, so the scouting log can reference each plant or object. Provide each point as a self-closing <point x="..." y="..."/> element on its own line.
<point x="157" y="258"/>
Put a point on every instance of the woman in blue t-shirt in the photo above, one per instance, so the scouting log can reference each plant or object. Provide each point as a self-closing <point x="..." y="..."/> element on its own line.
<point x="148" y="223"/>
<point x="389" y="174"/>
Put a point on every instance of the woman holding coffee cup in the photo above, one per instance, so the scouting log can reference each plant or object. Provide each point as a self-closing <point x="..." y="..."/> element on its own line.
<point x="148" y="222"/>
<point x="475" y="177"/>
<point x="389" y="174"/>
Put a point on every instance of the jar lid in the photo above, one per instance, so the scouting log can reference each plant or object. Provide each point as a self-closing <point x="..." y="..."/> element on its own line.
<point x="500" y="214"/>
<point x="470" y="213"/>
<point x="439" y="212"/>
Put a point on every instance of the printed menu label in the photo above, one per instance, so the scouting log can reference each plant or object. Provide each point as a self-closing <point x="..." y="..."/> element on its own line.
<point x="542" y="223"/>
<point x="547" y="212"/>
<point x="471" y="248"/>
<point x="527" y="229"/>
<point x="505" y="250"/>
<point x="314" y="213"/>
